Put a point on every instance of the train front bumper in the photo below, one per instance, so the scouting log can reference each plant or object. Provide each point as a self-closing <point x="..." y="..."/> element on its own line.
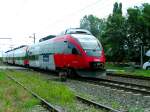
<point x="92" y="73"/>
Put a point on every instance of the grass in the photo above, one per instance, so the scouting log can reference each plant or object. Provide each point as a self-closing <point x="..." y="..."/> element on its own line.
<point x="14" y="98"/>
<point x="54" y="92"/>
<point x="129" y="70"/>
<point x="47" y="89"/>
<point x="136" y="110"/>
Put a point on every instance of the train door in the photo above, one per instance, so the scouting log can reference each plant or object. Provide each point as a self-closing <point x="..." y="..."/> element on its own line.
<point x="46" y="58"/>
<point x="73" y="57"/>
<point x="59" y="53"/>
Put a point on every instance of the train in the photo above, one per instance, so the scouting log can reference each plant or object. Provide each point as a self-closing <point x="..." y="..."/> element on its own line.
<point x="73" y="51"/>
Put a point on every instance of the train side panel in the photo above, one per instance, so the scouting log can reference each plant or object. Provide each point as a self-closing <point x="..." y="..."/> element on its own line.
<point x="46" y="57"/>
<point x="10" y="57"/>
<point x="33" y="56"/>
<point x="20" y="56"/>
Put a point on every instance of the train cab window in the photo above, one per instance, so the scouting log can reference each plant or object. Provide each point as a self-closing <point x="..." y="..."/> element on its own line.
<point x="75" y="51"/>
<point x="71" y="49"/>
<point x="70" y="45"/>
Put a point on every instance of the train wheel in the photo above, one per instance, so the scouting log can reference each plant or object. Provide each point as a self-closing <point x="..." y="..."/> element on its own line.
<point x="27" y="66"/>
<point x="71" y="73"/>
<point x="63" y="76"/>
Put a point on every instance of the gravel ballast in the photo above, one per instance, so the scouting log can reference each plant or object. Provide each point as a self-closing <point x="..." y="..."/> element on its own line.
<point x="118" y="99"/>
<point x="129" y="80"/>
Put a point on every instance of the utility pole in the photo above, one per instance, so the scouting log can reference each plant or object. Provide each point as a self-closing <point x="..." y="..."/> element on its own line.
<point x="141" y="54"/>
<point x="33" y="37"/>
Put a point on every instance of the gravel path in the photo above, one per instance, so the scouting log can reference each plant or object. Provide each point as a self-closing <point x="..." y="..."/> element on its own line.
<point x="12" y="68"/>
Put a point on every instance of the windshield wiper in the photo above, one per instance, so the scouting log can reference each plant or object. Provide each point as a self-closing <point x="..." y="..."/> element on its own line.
<point x="95" y="49"/>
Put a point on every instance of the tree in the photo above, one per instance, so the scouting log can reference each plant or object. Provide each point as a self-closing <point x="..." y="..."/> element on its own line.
<point x="115" y="34"/>
<point x="93" y="24"/>
<point x="138" y="30"/>
<point x="117" y="8"/>
<point x="146" y="20"/>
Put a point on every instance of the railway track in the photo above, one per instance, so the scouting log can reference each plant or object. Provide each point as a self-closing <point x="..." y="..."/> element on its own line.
<point x="52" y="108"/>
<point x="116" y="82"/>
<point x="97" y="105"/>
<point x="129" y="76"/>
<point x="135" y="88"/>
<point x="44" y="103"/>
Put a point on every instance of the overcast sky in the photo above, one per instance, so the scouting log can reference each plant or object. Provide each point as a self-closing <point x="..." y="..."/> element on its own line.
<point x="19" y="19"/>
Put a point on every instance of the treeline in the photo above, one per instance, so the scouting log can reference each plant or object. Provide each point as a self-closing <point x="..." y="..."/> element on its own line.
<point x="123" y="37"/>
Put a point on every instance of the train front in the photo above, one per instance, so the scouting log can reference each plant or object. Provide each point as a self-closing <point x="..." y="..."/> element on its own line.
<point x="93" y="56"/>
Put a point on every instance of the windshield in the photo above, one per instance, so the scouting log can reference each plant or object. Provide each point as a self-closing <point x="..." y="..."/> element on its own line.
<point x="90" y="44"/>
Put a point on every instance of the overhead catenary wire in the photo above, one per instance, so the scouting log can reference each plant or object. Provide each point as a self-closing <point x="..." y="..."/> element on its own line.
<point x="79" y="11"/>
<point x="76" y="12"/>
<point x="5" y="38"/>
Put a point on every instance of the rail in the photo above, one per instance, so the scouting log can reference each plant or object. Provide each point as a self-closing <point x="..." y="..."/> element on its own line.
<point x="49" y="106"/>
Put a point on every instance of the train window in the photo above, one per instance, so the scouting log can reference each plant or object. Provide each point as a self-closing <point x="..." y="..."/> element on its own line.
<point x="88" y="41"/>
<point x="72" y="49"/>
<point x="59" y="47"/>
<point x="70" y="45"/>
<point x="75" y="51"/>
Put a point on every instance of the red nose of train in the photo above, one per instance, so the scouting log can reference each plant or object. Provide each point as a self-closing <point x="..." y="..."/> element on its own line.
<point x="96" y="62"/>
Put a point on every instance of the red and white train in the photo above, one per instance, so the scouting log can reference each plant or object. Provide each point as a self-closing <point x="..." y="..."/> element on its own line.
<point x="74" y="50"/>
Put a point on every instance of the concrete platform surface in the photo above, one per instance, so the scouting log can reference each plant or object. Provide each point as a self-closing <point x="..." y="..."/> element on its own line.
<point x="12" y="67"/>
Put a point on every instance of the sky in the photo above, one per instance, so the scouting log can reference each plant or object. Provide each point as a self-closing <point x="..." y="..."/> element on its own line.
<point x="20" y="19"/>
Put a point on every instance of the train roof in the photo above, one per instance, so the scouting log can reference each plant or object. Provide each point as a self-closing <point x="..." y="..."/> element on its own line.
<point x="47" y="38"/>
<point x="76" y="31"/>
<point x="16" y="48"/>
<point x="20" y="47"/>
<point x="67" y="31"/>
